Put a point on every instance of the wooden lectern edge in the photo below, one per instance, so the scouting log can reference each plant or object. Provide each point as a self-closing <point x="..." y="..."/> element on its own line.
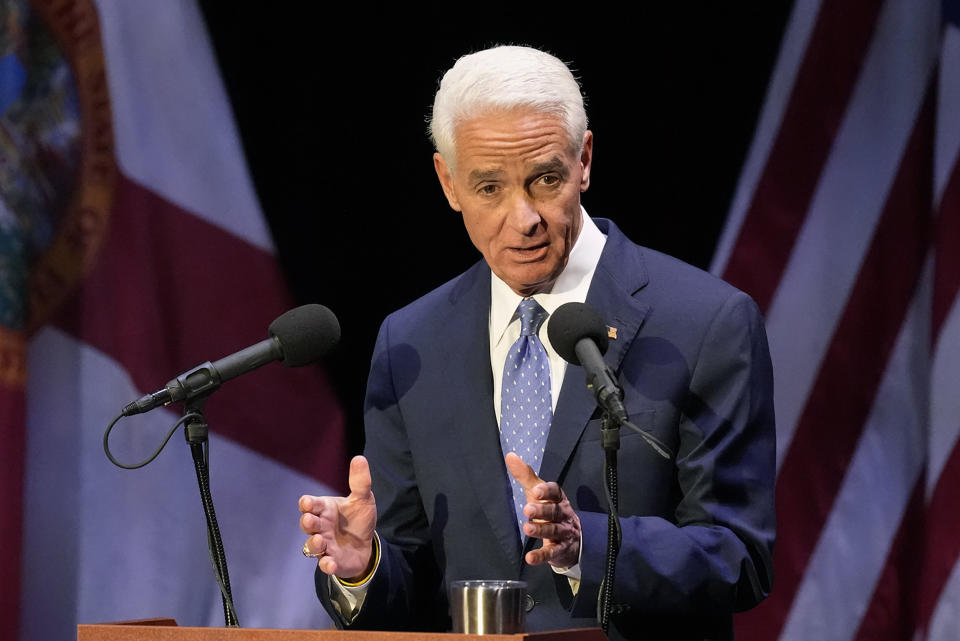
<point x="154" y="622"/>
<point x="168" y="630"/>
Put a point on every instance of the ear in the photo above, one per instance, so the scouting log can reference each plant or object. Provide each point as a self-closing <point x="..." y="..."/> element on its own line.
<point x="446" y="181"/>
<point x="586" y="157"/>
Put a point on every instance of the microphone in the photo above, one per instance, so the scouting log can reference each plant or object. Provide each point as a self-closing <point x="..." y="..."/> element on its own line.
<point x="297" y="337"/>
<point x="579" y="335"/>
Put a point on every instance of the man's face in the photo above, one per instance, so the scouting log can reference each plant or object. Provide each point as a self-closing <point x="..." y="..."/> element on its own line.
<point x="517" y="183"/>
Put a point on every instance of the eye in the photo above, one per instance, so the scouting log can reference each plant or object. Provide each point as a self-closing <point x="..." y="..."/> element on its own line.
<point x="547" y="181"/>
<point x="488" y="189"/>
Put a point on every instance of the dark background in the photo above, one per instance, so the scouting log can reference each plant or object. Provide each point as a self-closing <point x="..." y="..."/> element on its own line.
<point x="332" y="105"/>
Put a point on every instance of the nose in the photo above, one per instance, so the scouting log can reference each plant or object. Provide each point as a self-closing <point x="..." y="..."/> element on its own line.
<point x="523" y="216"/>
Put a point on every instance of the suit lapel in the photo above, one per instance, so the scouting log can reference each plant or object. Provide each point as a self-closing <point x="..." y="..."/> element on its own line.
<point x="619" y="275"/>
<point x="471" y="401"/>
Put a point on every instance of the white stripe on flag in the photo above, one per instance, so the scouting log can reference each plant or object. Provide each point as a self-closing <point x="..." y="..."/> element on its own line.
<point x="948" y="99"/>
<point x="944" y="397"/>
<point x="106" y="544"/>
<point x="166" y="95"/>
<point x="850" y="196"/>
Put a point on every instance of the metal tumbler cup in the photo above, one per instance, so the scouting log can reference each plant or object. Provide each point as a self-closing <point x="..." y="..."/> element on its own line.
<point x="487" y="607"/>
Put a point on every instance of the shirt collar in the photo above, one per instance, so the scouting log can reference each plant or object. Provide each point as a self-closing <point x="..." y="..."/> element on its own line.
<point x="571" y="285"/>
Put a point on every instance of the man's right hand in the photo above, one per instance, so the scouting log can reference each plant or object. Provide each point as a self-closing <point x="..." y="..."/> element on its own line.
<point x="341" y="528"/>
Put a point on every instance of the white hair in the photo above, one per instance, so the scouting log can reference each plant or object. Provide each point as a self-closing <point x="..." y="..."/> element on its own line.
<point x="503" y="78"/>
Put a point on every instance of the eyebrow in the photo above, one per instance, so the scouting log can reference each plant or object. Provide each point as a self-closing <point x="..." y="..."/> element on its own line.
<point x="554" y="164"/>
<point x="479" y="175"/>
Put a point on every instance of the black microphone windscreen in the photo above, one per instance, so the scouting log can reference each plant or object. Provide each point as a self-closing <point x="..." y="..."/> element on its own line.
<point x="305" y="333"/>
<point x="571" y="323"/>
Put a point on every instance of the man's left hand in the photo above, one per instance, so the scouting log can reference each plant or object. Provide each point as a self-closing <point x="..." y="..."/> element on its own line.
<point x="551" y="518"/>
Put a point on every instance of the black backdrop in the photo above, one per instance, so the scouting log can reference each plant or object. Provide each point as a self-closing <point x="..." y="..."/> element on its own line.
<point x="332" y="102"/>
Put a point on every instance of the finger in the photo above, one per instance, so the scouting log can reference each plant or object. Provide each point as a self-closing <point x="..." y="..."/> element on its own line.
<point x="560" y="556"/>
<point x="322" y="506"/>
<point x="360" y="481"/>
<point x="522" y="472"/>
<point x="316" y="505"/>
<point x="548" y="492"/>
<point x="536" y="557"/>
<point x="306" y="503"/>
<point x="311" y="524"/>
<point x="542" y="530"/>
<point x="327" y="565"/>
<point x="314" y="546"/>
<point x="539" y="556"/>
<point x="543" y="511"/>
<point x="307" y="524"/>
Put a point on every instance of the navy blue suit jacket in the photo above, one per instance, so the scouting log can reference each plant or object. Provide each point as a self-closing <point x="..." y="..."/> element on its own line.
<point x="692" y="357"/>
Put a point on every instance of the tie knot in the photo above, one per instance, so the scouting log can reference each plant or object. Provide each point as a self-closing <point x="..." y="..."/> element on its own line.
<point x="531" y="315"/>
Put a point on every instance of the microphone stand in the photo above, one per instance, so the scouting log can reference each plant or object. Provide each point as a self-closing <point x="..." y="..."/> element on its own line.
<point x="610" y="441"/>
<point x="197" y="434"/>
<point x="577" y="333"/>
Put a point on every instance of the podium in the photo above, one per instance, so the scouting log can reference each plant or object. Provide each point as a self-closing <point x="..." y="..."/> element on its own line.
<point x="168" y="630"/>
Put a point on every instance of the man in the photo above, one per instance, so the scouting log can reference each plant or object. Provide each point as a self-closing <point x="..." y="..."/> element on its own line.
<point x="446" y="420"/>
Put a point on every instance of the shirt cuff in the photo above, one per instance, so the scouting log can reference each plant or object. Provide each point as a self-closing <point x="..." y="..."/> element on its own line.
<point x="572" y="572"/>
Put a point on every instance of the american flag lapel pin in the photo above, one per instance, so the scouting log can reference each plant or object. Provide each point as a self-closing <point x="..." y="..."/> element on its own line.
<point x="612" y="333"/>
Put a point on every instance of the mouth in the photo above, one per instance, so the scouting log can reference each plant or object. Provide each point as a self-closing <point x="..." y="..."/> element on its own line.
<point x="529" y="254"/>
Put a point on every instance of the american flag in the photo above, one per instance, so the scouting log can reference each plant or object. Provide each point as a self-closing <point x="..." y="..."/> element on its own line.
<point x="845" y="228"/>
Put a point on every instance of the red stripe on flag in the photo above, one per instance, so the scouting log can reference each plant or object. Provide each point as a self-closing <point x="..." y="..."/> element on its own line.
<point x="946" y="279"/>
<point x="942" y="543"/>
<point x="171" y="290"/>
<point x="841" y="398"/>
<point x="817" y="104"/>
<point x="889" y="617"/>
<point x="12" y="454"/>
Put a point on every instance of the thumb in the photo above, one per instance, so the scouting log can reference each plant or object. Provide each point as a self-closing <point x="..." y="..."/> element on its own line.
<point x="359" y="479"/>
<point x="519" y="470"/>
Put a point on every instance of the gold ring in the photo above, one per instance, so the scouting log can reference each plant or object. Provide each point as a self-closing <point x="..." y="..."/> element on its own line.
<point x="313" y="555"/>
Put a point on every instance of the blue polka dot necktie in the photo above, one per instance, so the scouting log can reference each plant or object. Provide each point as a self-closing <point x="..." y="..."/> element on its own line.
<point x="525" y="404"/>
